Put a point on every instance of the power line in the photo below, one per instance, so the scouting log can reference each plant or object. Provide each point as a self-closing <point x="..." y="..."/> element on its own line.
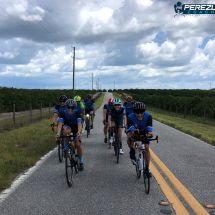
<point x="24" y="27"/>
<point x="44" y="19"/>
<point x="56" y="25"/>
<point x="36" y="20"/>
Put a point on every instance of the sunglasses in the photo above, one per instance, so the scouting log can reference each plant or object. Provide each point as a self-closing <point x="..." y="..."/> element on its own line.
<point x="117" y="105"/>
<point x="62" y="101"/>
<point x="139" y="111"/>
<point x="70" y="108"/>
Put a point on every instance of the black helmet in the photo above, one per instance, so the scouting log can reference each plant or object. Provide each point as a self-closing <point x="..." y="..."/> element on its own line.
<point x="71" y="103"/>
<point x="89" y="96"/>
<point x="62" y="97"/>
<point x="139" y="106"/>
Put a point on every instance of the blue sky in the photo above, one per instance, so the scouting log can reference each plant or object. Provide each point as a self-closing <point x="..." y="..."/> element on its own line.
<point x="134" y="43"/>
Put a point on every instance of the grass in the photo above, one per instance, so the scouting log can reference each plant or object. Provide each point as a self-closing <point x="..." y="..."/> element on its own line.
<point x="22" y="147"/>
<point x="196" y="127"/>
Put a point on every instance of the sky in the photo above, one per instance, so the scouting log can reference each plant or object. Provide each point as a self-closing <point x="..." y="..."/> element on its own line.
<point x="124" y="44"/>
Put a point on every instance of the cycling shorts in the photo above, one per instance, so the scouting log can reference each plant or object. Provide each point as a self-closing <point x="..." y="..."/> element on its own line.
<point x="118" y="122"/>
<point x="87" y="111"/>
<point x="73" y="128"/>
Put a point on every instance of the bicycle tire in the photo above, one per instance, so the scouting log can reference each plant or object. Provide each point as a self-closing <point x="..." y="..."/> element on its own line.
<point x="145" y="171"/>
<point x="69" y="163"/>
<point x="60" y="150"/>
<point x="117" y="147"/>
<point x="87" y="127"/>
<point x="138" y="170"/>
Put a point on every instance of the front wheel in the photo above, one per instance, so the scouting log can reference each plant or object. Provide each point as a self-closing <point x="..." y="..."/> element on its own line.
<point x="69" y="163"/>
<point x="145" y="171"/>
<point x="138" y="168"/>
<point x="60" y="150"/>
<point x="88" y="127"/>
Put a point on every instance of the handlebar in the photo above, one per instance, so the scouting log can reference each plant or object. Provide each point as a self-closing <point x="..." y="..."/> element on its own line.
<point x="143" y="138"/>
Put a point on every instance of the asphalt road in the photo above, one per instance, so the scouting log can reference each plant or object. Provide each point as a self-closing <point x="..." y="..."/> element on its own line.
<point x="105" y="187"/>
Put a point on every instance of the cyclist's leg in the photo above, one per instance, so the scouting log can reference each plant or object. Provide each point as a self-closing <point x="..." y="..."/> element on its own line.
<point x="130" y="145"/>
<point x="105" y="131"/>
<point x="147" y="152"/>
<point x="67" y="130"/>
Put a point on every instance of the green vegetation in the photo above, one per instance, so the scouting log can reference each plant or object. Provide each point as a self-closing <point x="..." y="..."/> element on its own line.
<point x="23" y="97"/>
<point x="22" y="147"/>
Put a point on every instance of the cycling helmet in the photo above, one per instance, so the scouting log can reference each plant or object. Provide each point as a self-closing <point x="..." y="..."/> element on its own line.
<point x="110" y="101"/>
<point x="117" y="102"/>
<point x="71" y="103"/>
<point x="89" y="96"/>
<point x="62" y="97"/>
<point x="129" y="98"/>
<point x="77" y="98"/>
<point x="139" y="106"/>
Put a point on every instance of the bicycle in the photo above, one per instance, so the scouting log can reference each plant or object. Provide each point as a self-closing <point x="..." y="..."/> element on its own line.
<point x="71" y="159"/>
<point x="142" y="165"/>
<point x="60" y="143"/>
<point x="88" y="123"/>
<point x="116" y="142"/>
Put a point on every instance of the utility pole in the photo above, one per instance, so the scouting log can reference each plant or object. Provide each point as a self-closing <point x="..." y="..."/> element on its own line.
<point x="92" y="84"/>
<point x="73" y="72"/>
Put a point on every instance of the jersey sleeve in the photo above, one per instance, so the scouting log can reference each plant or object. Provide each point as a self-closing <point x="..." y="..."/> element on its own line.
<point x="56" y="109"/>
<point x="149" y="124"/>
<point x="81" y="105"/>
<point x="124" y="111"/>
<point x="84" y="103"/>
<point x="93" y="102"/>
<point x="61" y="117"/>
<point x="78" y="116"/>
<point x="130" y="125"/>
<point x="105" y="106"/>
<point x="124" y="104"/>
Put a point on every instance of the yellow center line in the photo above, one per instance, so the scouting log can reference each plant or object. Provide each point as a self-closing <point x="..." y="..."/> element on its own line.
<point x="171" y="196"/>
<point x="194" y="204"/>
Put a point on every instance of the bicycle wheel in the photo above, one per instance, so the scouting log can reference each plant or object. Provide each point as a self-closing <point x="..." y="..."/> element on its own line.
<point x="77" y="163"/>
<point x="69" y="163"/>
<point x="60" y="149"/>
<point x="145" y="171"/>
<point x="88" y="127"/>
<point x="138" y="168"/>
<point x="117" y="148"/>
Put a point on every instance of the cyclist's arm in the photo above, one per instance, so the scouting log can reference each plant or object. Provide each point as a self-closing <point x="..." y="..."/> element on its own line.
<point x="79" y="127"/>
<point x="54" y="117"/>
<point x="130" y="126"/>
<point x="109" y="120"/>
<point x="94" y="107"/>
<point x="82" y="109"/>
<point x="125" y="120"/>
<point x="79" y="121"/>
<point x="149" y="124"/>
<point x="59" y="128"/>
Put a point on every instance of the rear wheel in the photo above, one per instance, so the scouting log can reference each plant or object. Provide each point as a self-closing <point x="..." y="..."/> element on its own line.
<point x="117" y="148"/>
<point x="145" y="171"/>
<point x="69" y="164"/>
<point x="88" y="127"/>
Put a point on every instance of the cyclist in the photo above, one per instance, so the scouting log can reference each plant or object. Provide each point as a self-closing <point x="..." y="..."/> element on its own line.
<point x="72" y="123"/>
<point x="106" y="109"/>
<point x="116" y="116"/>
<point x="80" y="108"/>
<point x="142" y="121"/>
<point x="59" y="107"/>
<point x="89" y="106"/>
<point x="129" y="105"/>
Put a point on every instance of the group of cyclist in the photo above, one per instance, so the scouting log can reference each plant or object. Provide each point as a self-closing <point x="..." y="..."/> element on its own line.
<point x="71" y="113"/>
<point x="131" y="116"/>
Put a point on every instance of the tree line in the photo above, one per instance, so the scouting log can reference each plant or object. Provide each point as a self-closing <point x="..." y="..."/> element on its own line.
<point x="198" y="100"/>
<point x="23" y="97"/>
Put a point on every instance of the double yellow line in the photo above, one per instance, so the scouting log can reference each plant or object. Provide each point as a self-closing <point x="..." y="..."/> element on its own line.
<point x="171" y="196"/>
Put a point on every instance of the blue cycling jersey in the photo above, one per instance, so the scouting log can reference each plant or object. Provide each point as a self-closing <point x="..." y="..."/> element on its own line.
<point x="70" y="119"/>
<point x="58" y="108"/>
<point x="129" y="107"/>
<point x="107" y="107"/>
<point x="89" y="105"/>
<point x="146" y="122"/>
<point x="116" y="114"/>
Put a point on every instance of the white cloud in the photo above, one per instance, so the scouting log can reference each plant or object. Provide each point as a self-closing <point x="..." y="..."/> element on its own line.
<point x="8" y="55"/>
